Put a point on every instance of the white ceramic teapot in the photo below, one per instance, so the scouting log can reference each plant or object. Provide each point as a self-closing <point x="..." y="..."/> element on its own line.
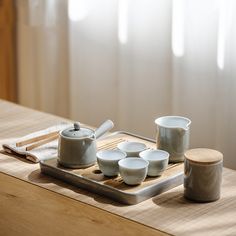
<point x="77" y="145"/>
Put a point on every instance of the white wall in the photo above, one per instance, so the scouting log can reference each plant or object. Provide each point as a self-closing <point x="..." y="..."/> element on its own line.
<point x="116" y="61"/>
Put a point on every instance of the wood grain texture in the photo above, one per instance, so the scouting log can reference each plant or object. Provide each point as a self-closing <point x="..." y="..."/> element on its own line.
<point x="29" y="210"/>
<point x="40" y="143"/>
<point x="36" y="139"/>
<point x="7" y="51"/>
<point x="169" y="212"/>
<point x="116" y="182"/>
<point x="204" y="156"/>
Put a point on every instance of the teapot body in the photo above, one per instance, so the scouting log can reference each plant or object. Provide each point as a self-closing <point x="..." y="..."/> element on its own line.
<point x="76" y="153"/>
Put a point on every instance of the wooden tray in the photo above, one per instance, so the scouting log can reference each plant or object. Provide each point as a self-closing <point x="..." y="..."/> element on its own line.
<point x="93" y="180"/>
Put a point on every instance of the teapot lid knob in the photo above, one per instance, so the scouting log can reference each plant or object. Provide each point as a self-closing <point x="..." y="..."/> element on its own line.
<point x="77" y="126"/>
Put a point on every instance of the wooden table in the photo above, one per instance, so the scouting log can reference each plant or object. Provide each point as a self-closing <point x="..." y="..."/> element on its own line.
<point x="33" y="204"/>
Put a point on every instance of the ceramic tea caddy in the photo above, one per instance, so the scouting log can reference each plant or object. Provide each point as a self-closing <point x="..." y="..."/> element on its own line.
<point x="203" y="174"/>
<point x="77" y="145"/>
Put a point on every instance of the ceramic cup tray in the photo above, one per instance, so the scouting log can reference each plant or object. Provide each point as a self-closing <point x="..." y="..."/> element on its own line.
<point x="93" y="180"/>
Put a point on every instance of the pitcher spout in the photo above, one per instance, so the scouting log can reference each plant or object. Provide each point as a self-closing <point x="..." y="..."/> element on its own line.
<point x="182" y="131"/>
<point x="173" y="122"/>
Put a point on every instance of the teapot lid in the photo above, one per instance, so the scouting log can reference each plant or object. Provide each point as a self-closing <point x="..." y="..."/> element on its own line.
<point x="77" y="132"/>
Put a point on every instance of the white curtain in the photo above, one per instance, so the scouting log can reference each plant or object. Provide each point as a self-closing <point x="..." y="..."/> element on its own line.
<point x="133" y="61"/>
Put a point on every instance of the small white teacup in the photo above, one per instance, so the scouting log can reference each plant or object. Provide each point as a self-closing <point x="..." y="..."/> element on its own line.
<point x="108" y="161"/>
<point x="133" y="170"/>
<point x="132" y="149"/>
<point x="158" y="161"/>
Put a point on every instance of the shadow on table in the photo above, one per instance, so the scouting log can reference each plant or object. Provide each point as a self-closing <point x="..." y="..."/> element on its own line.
<point x="172" y="199"/>
<point x="16" y="156"/>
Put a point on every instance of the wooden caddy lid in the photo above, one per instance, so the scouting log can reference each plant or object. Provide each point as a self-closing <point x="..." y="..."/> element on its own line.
<point x="203" y="156"/>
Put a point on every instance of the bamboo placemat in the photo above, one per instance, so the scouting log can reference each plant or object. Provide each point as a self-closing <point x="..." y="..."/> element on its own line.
<point x="168" y="212"/>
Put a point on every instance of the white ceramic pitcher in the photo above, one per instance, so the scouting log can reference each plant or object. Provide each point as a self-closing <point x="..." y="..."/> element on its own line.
<point x="173" y="136"/>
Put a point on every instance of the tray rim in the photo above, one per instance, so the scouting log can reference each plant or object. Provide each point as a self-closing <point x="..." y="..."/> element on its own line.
<point x="134" y="194"/>
<point x="108" y="186"/>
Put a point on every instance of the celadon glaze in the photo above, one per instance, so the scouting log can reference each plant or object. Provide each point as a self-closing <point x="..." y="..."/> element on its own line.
<point x="132" y="149"/>
<point x="173" y="134"/>
<point x="108" y="161"/>
<point x="133" y="170"/>
<point x="74" y="153"/>
<point x="77" y="145"/>
<point x="158" y="161"/>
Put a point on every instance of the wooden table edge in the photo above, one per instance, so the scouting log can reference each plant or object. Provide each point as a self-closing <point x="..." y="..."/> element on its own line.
<point x="95" y="214"/>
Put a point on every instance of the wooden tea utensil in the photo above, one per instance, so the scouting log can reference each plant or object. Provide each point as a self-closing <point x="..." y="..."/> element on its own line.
<point x="39" y="140"/>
